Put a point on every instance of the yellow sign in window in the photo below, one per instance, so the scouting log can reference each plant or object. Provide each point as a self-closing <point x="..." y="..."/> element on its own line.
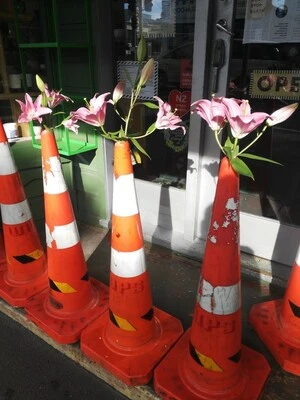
<point x="275" y="84"/>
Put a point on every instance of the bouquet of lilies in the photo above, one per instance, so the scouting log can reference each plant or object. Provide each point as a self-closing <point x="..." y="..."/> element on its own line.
<point x="236" y="116"/>
<point x="94" y="113"/>
<point x="220" y="112"/>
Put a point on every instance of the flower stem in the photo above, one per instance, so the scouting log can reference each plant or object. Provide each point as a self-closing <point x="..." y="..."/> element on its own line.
<point x="218" y="141"/>
<point x="253" y="141"/>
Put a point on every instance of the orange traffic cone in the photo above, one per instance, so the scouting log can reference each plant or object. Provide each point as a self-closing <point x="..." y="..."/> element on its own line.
<point x="2" y="253"/>
<point x="73" y="300"/>
<point x="209" y="361"/>
<point x="131" y="338"/>
<point x="277" y="323"/>
<point x="26" y="270"/>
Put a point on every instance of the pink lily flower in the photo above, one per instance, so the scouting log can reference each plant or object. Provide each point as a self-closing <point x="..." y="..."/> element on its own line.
<point x="166" y="119"/>
<point x="70" y="123"/>
<point x="213" y="112"/>
<point x="54" y="98"/>
<point x="118" y="91"/>
<point x="240" y="118"/>
<point x="95" y="113"/>
<point x="281" y="114"/>
<point x="32" y="111"/>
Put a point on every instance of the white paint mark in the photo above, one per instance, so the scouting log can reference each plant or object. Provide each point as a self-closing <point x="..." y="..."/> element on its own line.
<point x="298" y="257"/>
<point x="231" y="204"/>
<point x="64" y="236"/>
<point x="215" y="225"/>
<point x="54" y="182"/>
<point x="7" y="165"/>
<point x="124" y="196"/>
<point x="13" y="214"/>
<point x="219" y="300"/>
<point x="128" y="264"/>
<point x="213" y="239"/>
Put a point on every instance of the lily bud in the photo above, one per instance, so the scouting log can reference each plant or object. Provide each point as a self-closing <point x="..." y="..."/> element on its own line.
<point x="40" y="83"/>
<point x="281" y="114"/>
<point x="141" y="50"/>
<point x="147" y="72"/>
<point x="118" y="91"/>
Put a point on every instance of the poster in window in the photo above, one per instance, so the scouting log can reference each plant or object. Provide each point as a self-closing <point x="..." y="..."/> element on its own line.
<point x="128" y="71"/>
<point x="272" y="21"/>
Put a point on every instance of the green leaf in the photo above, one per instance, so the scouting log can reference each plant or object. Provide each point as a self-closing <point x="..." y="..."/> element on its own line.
<point x="235" y="151"/>
<point x="122" y="133"/>
<point x="137" y="156"/>
<point x="141" y="50"/>
<point x="241" y="168"/>
<point x="147" y="104"/>
<point x="139" y="147"/>
<point x="228" y="152"/>
<point x="151" y="128"/>
<point x="228" y="142"/>
<point x="255" y="157"/>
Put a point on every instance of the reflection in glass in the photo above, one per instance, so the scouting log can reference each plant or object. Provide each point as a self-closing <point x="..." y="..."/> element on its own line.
<point x="275" y="193"/>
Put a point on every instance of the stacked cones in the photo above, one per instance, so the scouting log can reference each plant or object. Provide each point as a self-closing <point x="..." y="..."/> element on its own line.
<point x="73" y="300"/>
<point x="133" y="336"/>
<point x="26" y="270"/>
<point x="277" y="323"/>
<point x="209" y="361"/>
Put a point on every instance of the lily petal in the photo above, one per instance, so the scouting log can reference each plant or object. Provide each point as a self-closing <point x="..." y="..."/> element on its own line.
<point x="281" y="114"/>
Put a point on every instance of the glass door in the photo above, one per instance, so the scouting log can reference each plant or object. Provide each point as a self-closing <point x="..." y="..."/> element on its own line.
<point x="264" y="68"/>
<point x="161" y="180"/>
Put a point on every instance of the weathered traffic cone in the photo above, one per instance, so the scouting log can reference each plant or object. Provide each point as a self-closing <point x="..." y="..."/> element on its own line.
<point x="209" y="361"/>
<point x="73" y="299"/>
<point x="2" y="253"/>
<point x="26" y="270"/>
<point x="277" y="323"/>
<point x="133" y="336"/>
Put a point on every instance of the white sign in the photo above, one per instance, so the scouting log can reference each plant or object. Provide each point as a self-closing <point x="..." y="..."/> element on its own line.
<point x="128" y="71"/>
<point x="270" y="21"/>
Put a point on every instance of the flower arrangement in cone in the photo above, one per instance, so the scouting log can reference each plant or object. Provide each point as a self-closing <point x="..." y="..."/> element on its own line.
<point x="234" y="116"/>
<point x="222" y="114"/>
<point x="94" y="112"/>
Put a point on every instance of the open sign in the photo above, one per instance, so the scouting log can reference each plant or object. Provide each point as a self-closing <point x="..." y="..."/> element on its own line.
<point x="275" y="84"/>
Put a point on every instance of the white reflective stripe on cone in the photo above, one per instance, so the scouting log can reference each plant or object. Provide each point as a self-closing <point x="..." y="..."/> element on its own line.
<point x="124" y="196"/>
<point x="54" y="182"/>
<point x="298" y="257"/>
<point x="65" y="236"/>
<point x="7" y="165"/>
<point x="219" y="300"/>
<point x="13" y="214"/>
<point x="128" y="264"/>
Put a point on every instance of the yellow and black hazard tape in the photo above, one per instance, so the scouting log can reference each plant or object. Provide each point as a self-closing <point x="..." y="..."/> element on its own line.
<point x="64" y="287"/>
<point x="207" y="362"/>
<point x="295" y="309"/>
<point x="61" y="287"/>
<point x="29" y="257"/>
<point x="124" y="324"/>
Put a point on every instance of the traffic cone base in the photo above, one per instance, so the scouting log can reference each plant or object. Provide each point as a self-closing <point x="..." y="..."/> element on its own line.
<point x="132" y="365"/>
<point x="19" y="294"/>
<point x="66" y="327"/>
<point x="264" y="318"/>
<point x="173" y="380"/>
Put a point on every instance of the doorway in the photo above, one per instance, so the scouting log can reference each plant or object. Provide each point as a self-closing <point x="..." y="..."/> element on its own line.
<point x="176" y="186"/>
